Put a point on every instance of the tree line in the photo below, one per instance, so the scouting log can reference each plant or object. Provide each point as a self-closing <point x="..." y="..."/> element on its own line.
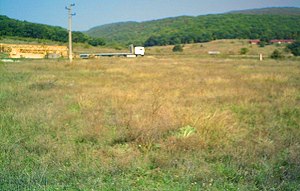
<point x="230" y="26"/>
<point x="12" y="27"/>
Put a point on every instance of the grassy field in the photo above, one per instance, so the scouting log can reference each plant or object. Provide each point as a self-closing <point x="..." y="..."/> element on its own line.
<point x="227" y="48"/>
<point x="152" y="123"/>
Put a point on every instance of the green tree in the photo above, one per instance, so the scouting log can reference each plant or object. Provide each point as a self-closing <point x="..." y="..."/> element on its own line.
<point x="295" y="48"/>
<point x="262" y="44"/>
<point x="96" y="42"/>
<point x="276" y="54"/>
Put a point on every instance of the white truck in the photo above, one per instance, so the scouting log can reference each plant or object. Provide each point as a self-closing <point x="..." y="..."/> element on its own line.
<point x="134" y="52"/>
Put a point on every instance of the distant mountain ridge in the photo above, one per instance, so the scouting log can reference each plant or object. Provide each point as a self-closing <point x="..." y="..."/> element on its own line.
<point x="269" y="11"/>
<point x="256" y="23"/>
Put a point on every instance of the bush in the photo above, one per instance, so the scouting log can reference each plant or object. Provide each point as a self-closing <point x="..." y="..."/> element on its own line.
<point x="276" y="54"/>
<point x="295" y="48"/>
<point x="244" y="50"/>
<point x="177" y="48"/>
<point x="262" y="44"/>
<point x="96" y="42"/>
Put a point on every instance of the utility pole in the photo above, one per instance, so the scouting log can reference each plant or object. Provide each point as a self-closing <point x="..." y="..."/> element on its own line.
<point x="70" y="14"/>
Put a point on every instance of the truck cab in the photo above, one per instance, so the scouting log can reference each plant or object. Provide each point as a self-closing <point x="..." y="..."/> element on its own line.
<point x="139" y="51"/>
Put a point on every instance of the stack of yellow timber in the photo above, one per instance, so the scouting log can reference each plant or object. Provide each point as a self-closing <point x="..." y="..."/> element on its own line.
<point x="33" y="51"/>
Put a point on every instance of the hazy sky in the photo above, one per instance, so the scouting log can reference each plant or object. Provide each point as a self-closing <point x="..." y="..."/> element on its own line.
<point x="92" y="13"/>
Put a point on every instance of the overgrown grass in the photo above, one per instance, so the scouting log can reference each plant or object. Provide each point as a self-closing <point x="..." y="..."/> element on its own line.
<point x="171" y="123"/>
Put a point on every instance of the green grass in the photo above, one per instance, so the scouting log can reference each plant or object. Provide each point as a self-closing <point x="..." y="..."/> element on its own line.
<point x="152" y="123"/>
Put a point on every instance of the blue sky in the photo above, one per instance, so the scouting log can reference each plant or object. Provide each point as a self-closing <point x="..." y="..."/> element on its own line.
<point x="92" y="13"/>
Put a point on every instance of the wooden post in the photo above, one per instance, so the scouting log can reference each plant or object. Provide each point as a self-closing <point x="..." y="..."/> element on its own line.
<point x="260" y="57"/>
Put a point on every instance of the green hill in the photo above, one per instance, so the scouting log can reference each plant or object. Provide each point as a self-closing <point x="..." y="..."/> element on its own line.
<point x="270" y="11"/>
<point x="15" y="28"/>
<point x="188" y="29"/>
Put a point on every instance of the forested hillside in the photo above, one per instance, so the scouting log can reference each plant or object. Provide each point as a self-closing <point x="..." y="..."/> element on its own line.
<point x="270" y="11"/>
<point x="12" y="27"/>
<point x="271" y="23"/>
<point x="187" y="29"/>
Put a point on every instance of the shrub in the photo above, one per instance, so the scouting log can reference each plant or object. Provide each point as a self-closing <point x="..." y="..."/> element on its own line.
<point x="177" y="48"/>
<point x="295" y="48"/>
<point x="262" y="44"/>
<point x="244" y="50"/>
<point x="276" y="54"/>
